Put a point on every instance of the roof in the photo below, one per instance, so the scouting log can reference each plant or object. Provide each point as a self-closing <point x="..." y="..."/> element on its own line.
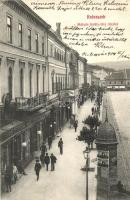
<point x="106" y="133"/>
<point x="58" y="38"/>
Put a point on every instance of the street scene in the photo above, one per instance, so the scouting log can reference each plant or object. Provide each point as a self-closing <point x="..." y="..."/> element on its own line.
<point x="68" y="178"/>
<point x="64" y="114"/>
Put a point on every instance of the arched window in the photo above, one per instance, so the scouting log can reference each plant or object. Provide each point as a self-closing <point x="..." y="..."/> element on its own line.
<point x="30" y="82"/>
<point x="10" y="82"/>
<point x="21" y="83"/>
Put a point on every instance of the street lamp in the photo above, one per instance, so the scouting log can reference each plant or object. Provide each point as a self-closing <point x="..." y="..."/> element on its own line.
<point x="86" y="156"/>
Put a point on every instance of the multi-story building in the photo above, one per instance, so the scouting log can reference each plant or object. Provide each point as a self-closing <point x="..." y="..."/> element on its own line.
<point x="58" y="78"/>
<point x="40" y="82"/>
<point x="119" y="80"/>
<point x="82" y="72"/>
<point x="32" y="73"/>
<point x="23" y="71"/>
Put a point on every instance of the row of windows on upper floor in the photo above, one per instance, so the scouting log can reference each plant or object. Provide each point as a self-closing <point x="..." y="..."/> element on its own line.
<point x="58" y="83"/>
<point x="20" y="36"/>
<point x="56" y="53"/>
<point x="22" y="82"/>
<point x="53" y="52"/>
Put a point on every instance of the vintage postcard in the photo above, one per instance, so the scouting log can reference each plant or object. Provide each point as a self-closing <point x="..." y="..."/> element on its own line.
<point x="64" y="99"/>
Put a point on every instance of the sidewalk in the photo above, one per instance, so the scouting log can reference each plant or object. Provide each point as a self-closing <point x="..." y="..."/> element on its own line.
<point x="67" y="182"/>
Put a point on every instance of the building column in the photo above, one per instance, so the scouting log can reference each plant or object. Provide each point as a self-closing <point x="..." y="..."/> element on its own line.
<point x="26" y="81"/>
<point x="34" y="82"/>
<point x="4" y="76"/>
<point x="16" y="80"/>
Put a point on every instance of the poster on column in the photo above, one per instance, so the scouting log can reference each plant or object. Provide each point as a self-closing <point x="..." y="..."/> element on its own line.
<point x="52" y="53"/>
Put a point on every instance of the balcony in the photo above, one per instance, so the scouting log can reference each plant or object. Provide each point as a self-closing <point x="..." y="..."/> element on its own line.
<point x="31" y="104"/>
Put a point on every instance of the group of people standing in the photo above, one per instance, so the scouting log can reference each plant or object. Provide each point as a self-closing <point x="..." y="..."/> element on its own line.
<point x="46" y="159"/>
<point x="12" y="174"/>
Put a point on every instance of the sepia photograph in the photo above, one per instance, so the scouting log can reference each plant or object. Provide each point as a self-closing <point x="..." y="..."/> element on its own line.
<point x="65" y="100"/>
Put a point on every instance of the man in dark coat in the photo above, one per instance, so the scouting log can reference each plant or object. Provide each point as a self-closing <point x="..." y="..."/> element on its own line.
<point x="43" y="151"/>
<point x="37" y="168"/>
<point x="49" y="141"/>
<point x="75" y="125"/>
<point x="8" y="178"/>
<point x="43" y="148"/>
<point x="53" y="161"/>
<point x="60" y="145"/>
<point x="42" y="156"/>
<point x="92" y="110"/>
<point x="47" y="161"/>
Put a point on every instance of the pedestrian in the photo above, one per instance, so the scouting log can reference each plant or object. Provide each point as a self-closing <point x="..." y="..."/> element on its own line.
<point x="43" y="148"/>
<point x="71" y="122"/>
<point x="8" y="179"/>
<point x="95" y="110"/>
<point x="20" y="168"/>
<point x="42" y="156"/>
<point x="92" y="110"/>
<point x="15" y="173"/>
<point x="49" y="141"/>
<point x="53" y="161"/>
<point x="46" y="161"/>
<point x="37" y="168"/>
<point x="75" y="125"/>
<point x="60" y="145"/>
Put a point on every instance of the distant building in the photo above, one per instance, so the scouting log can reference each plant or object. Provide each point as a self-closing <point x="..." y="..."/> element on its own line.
<point x="95" y="80"/>
<point x="89" y="77"/>
<point x="119" y="80"/>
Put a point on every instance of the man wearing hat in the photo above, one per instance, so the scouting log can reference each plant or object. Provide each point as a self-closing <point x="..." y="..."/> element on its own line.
<point x="37" y="168"/>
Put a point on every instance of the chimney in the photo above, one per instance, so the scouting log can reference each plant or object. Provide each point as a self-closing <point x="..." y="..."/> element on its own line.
<point x="58" y="28"/>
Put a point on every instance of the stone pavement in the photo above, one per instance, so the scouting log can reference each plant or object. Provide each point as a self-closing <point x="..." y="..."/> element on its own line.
<point x="68" y="181"/>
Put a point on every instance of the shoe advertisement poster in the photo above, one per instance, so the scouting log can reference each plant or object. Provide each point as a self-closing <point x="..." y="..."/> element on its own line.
<point x="64" y="99"/>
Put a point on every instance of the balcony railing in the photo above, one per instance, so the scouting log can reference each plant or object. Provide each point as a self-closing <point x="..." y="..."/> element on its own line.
<point x="31" y="104"/>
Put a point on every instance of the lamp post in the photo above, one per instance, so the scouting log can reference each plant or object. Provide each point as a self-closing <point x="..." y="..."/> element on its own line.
<point x="86" y="156"/>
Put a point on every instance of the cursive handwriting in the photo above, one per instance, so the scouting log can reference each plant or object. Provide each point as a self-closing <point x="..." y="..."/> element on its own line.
<point x="118" y="54"/>
<point x="88" y="5"/>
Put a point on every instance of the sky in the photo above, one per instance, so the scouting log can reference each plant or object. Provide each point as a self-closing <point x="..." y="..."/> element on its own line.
<point x="73" y="17"/>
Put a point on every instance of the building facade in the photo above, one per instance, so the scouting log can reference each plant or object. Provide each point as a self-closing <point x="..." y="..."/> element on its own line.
<point x="32" y="76"/>
<point x="41" y="79"/>
<point x="119" y="80"/>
